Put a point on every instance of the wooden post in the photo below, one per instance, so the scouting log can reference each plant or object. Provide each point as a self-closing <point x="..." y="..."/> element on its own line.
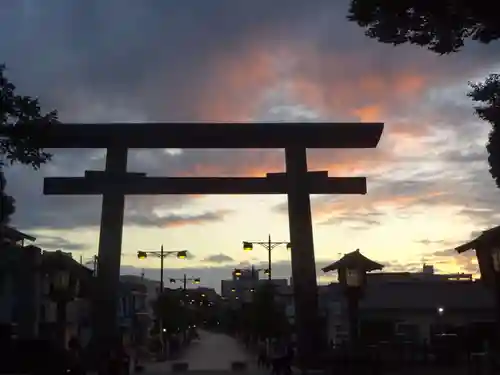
<point x="105" y="307"/>
<point x="303" y="263"/>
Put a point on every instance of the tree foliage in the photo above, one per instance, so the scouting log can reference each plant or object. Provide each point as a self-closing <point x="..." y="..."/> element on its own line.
<point x="171" y="309"/>
<point x="442" y="26"/>
<point x="19" y="144"/>
<point x="265" y="316"/>
<point x="487" y="93"/>
<point x="7" y="203"/>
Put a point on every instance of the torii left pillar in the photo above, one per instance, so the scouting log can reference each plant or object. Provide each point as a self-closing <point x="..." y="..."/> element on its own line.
<point x="105" y="332"/>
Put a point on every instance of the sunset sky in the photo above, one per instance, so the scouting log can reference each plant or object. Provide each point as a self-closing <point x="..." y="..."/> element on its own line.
<point x="281" y="60"/>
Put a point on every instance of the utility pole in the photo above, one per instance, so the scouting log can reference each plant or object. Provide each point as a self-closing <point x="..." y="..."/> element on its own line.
<point x="162" y="256"/>
<point x="269" y="248"/>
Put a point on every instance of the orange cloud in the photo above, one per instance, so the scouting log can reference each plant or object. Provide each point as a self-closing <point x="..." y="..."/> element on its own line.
<point x="343" y="87"/>
<point x="233" y="90"/>
<point x="370" y="113"/>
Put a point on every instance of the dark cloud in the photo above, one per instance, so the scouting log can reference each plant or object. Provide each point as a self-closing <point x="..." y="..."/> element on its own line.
<point x="174" y="220"/>
<point x="210" y="61"/>
<point x="218" y="258"/>
<point x="58" y="243"/>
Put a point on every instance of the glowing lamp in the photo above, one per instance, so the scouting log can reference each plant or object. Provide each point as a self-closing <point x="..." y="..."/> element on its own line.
<point x="142" y="255"/>
<point x="354" y="278"/>
<point x="247" y="246"/>
<point x="182" y="254"/>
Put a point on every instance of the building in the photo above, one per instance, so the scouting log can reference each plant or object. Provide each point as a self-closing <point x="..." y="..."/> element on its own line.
<point x="29" y="306"/>
<point x="19" y="284"/>
<point x="64" y="302"/>
<point x="245" y="282"/>
<point x="412" y="306"/>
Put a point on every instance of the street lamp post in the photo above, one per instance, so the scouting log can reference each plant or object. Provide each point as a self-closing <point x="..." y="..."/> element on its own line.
<point x="184" y="280"/>
<point x="352" y="269"/>
<point x="162" y="254"/>
<point x="269" y="246"/>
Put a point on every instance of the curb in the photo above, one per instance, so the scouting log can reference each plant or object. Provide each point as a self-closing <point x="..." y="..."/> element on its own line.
<point x="239" y="366"/>
<point x="180" y="367"/>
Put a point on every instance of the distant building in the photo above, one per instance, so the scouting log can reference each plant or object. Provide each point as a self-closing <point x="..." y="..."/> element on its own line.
<point x="19" y="284"/>
<point x="152" y="289"/>
<point x="241" y="287"/>
<point x="412" y="306"/>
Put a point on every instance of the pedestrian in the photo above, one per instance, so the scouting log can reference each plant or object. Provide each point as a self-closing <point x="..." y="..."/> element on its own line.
<point x="75" y="357"/>
<point x="262" y="358"/>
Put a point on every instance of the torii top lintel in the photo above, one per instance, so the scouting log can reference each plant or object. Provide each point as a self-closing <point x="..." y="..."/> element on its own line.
<point x="212" y="135"/>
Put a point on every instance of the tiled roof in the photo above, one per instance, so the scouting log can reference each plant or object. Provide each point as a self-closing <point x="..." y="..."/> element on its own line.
<point x="354" y="260"/>
<point x="14" y="234"/>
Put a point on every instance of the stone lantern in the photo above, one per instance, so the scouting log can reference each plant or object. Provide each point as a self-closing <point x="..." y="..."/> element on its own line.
<point x="487" y="247"/>
<point x="352" y="269"/>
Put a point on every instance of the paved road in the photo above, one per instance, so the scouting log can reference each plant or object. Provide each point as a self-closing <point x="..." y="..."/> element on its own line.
<point x="215" y="351"/>
<point x="212" y="354"/>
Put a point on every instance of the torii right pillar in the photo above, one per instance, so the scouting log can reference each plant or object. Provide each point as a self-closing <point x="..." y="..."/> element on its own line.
<point x="310" y="340"/>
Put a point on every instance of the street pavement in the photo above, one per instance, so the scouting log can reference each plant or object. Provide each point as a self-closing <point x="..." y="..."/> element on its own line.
<point x="213" y="353"/>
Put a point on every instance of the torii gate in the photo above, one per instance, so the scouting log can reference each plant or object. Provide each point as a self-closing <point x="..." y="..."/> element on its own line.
<point x="298" y="183"/>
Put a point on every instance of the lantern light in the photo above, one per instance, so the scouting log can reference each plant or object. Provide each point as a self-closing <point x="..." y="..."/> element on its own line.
<point x="353" y="277"/>
<point x="172" y="281"/>
<point x="495" y="254"/>
<point x="267" y="271"/>
<point x="196" y="281"/>
<point x="182" y="254"/>
<point x="233" y="290"/>
<point x="142" y="255"/>
<point x="247" y="246"/>
<point x="237" y="272"/>
<point x="289" y="246"/>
